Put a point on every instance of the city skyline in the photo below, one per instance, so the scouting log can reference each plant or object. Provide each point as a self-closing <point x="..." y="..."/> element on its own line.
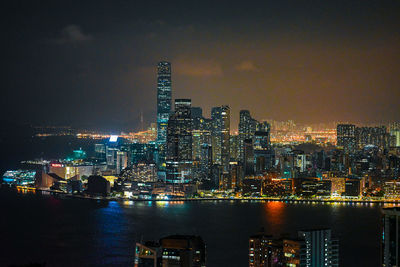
<point x="312" y="63"/>
<point x="155" y="133"/>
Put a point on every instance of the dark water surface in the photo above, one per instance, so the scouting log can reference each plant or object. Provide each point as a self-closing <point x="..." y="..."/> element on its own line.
<point x="74" y="232"/>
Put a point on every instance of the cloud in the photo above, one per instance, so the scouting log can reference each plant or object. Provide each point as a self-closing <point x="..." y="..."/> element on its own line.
<point x="246" y="66"/>
<point x="72" y="34"/>
<point x="197" y="68"/>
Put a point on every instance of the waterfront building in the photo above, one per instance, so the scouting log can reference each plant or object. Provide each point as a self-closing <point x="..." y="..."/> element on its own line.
<point x="98" y="185"/>
<point x="390" y="254"/>
<point x="392" y="189"/>
<point x="20" y="177"/>
<point x="352" y="188"/>
<point x="179" y="143"/>
<point x="68" y="171"/>
<point x="164" y="96"/>
<point x="346" y="137"/>
<point x="338" y="186"/>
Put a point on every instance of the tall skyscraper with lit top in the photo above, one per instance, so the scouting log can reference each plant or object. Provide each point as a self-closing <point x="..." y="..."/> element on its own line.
<point x="220" y="117"/>
<point x="164" y="95"/>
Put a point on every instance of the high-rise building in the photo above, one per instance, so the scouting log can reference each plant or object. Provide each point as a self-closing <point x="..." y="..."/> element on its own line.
<point x="164" y="95"/>
<point x="175" y="250"/>
<point x="346" y="137"/>
<point x="121" y="161"/>
<point x="247" y="128"/>
<point x="391" y="237"/>
<point x="197" y="116"/>
<point x="248" y="158"/>
<point x="312" y="248"/>
<point x="376" y="136"/>
<point x="263" y="152"/>
<point x="320" y="249"/>
<point x="394" y="129"/>
<point x="234" y="147"/>
<point x="265" y="251"/>
<point x="220" y="133"/>
<point x="179" y="143"/>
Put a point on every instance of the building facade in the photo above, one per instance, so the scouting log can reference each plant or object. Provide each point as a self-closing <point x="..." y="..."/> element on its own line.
<point x="164" y="96"/>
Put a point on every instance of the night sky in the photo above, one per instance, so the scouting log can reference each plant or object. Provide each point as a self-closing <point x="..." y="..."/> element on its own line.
<point x="93" y="63"/>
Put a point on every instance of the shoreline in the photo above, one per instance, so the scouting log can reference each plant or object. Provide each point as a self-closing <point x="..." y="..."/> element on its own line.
<point x="261" y="199"/>
<point x="63" y="195"/>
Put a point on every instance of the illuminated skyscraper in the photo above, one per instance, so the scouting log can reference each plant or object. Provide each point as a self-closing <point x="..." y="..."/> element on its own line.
<point x="220" y="136"/>
<point x="376" y="136"/>
<point x="394" y="129"/>
<point x="164" y="95"/>
<point x="179" y="143"/>
<point x="263" y="153"/>
<point x="346" y="136"/>
<point x="319" y="248"/>
<point x="247" y="128"/>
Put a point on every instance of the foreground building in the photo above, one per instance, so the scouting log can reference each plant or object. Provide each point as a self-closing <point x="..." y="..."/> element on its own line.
<point x="175" y="250"/>
<point x="390" y="237"/>
<point x="312" y="248"/>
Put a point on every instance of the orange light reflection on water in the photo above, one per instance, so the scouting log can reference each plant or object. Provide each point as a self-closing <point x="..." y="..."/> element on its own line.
<point x="274" y="212"/>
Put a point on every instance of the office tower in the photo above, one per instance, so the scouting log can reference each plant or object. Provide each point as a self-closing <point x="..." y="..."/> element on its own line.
<point x="263" y="152"/>
<point x="376" y="136"/>
<point x="179" y="143"/>
<point x="247" y="128"/>
<point x="164" y="95"/>
<point x="234" y="147"/>
<point x="111" y="157"/>
<point x="319" y="248"/>
<point x="391" y="237"/>
<point x="182" y="250"/>
<point x="346" y="137"/>
<point x="220" y="134"/>
<point x="248" y="157"/>
<point x="100" y="152"/>
<point x="394" y="129"/>
<point x="139" y="152"/>
<point x="205" y="161"/>
<point x="197" y="143"/>
<point x="197" y="116"/>
<point x="121" y="161"/>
